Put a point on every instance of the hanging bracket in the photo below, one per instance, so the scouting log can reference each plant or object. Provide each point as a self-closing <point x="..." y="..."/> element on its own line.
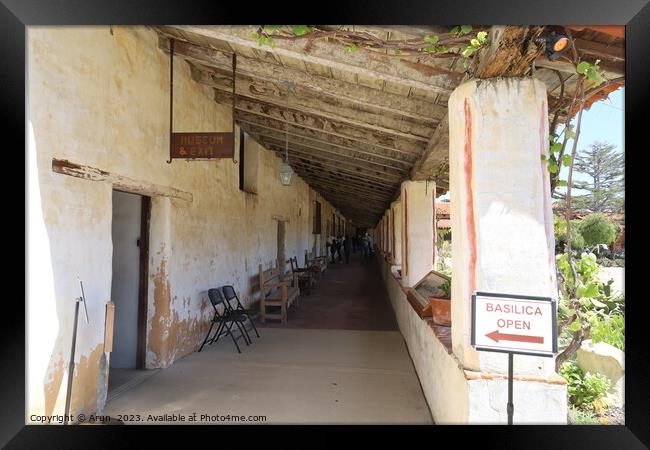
<point x="234" y="103"/>
<point x="171" y="96"/>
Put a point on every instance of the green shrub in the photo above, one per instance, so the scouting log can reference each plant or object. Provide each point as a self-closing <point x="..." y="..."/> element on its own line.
<point x="580" y="417"/>
<point x="559" y="228"/>
<point x="610" y="331"/>
<point x="597" y="229"/>
<point x="583" y="389"/>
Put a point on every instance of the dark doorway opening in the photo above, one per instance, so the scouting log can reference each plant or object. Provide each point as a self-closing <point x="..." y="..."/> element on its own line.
<point x="129" y="286"/>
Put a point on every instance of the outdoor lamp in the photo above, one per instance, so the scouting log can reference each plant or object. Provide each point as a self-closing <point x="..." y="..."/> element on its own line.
<point x="556" y="45"/>
<point x="285" y="174"/>
<point x="285" y="171"/>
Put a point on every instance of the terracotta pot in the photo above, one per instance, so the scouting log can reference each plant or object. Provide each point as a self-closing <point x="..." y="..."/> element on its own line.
<point x="441" y="311"/>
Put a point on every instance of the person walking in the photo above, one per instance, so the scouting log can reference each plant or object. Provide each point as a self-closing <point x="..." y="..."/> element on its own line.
<point x="339" y="248"/>
<point x="331" y="243"/>
<point x="347" y="246"/>
<point x="365" y="248"/>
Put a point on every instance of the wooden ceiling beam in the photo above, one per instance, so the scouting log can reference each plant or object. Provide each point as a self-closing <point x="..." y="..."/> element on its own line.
<point x="321" y="52"/>
<point x="343" y="190"/>
<point x="336" y="182"/>
<point x="436" y="153"/>
<point x="510" y="53"/>
<point x="355" y="94"/>
<point x="328" y="174"/>
<point x="318" y="120"/>
<point x="343" y="204"/>
<point x="361" y="176"/>
<point x="333" y="146"/>
<point x="600" y="51"/>
<point x="305" y="124"/>
<point x="308" y="102"/>
<point x="333" y="155"/>
<point x="328" y="139"/>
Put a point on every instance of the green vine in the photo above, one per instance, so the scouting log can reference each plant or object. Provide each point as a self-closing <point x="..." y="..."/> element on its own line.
<point x="591" y="72"/>
<point x="458" y="42"/>
<point x="592" y="76"/>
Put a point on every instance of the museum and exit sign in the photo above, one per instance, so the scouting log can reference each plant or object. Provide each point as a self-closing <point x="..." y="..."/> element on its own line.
<point x="202" y="145"/>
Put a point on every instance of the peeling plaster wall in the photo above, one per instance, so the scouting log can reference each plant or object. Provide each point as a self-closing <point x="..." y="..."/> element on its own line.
<point x="100" y="97"/>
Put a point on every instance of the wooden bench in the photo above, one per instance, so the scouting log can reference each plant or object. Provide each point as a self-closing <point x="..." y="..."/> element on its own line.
<point x="319" y="262"/>
<point x="276" y="291"/>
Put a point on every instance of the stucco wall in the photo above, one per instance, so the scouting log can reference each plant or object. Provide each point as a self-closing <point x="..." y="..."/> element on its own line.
<point x="100" y="97"/>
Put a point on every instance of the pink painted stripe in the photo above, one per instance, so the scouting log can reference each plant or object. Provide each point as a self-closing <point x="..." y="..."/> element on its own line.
<point x="469" y="195"/>
<point x="435" y="233"/>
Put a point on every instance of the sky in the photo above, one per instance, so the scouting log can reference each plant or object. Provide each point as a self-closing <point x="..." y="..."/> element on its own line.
<point x="604" y="121"/>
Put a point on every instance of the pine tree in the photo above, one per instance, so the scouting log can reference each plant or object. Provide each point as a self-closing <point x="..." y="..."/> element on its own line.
<point x="606" y="168"/>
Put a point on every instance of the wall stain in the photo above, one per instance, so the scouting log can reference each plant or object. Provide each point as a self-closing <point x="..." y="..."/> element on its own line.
<point x="52" y="387"/>
<point x="156" y="338"/>
<point x="170" y="337"/>
<point x="86" y="383"/>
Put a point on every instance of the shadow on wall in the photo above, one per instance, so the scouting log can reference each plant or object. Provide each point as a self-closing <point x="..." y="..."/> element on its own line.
<point x="53" y="288"/>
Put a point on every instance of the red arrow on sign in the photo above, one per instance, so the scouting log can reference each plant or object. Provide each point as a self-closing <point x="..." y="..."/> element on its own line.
<point x="496" y="336"/>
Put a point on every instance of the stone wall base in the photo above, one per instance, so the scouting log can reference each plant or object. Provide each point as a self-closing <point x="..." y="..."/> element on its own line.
<point x="459" y="396"/>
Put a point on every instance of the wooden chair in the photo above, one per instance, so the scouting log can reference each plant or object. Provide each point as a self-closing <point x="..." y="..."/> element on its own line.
<point x="317" y="263"/>
<point x="275" y="291"/>
<point x="306" y="279"/>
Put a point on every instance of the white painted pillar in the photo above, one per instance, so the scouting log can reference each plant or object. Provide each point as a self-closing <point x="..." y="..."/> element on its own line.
<point x="389" y="228"/>
<point x="417" y="230"/>
<point x="396" y="215"/>
<point x="501" y="214"/>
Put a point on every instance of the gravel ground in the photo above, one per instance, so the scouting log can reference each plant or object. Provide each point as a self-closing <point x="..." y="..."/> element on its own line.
<point x="614" y="416"/>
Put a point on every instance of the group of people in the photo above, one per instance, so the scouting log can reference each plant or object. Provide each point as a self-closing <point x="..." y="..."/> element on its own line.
<point x="340" y="246"/>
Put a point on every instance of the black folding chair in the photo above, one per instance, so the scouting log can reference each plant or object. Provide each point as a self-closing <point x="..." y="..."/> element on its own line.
<point x="225" y="320"/>
<point x="230" y="294"/>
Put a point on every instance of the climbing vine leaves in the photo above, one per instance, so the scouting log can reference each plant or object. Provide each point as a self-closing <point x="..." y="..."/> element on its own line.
<point x="459" y="41"/>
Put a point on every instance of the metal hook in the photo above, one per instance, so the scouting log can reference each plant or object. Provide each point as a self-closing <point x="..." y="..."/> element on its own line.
<point x="234" y="102"/>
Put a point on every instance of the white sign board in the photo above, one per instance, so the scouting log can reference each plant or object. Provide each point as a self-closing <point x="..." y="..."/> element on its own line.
<point x="514" y="324"/>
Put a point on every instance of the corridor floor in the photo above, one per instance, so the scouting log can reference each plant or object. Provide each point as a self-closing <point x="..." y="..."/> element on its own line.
<point x="347" y="297"/>
<point x="338" y="360"/>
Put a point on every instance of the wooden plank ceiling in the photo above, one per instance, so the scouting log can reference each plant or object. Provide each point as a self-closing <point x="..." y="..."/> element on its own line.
<point x="359" y="124"/>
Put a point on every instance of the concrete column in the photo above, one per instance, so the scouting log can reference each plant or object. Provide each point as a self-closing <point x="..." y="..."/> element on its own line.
<point x="389" y="234"/>
<point x="396" y="214"/>
<point x="501" y="214"/>
<point x="417" y="230"/>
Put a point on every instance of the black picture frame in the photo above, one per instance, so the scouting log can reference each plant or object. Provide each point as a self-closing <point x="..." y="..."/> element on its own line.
<point x="15" y="15"/>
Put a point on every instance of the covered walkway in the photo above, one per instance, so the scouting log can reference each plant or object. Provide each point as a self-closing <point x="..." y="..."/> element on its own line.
<point x="123" y="200"/>
<point x="348" y="297"/>
<point x="339" y="359"/>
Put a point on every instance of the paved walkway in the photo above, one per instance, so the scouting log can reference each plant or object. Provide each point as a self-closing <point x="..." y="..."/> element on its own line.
<point x="360" y="373"/>
<point x="348" y="297"/>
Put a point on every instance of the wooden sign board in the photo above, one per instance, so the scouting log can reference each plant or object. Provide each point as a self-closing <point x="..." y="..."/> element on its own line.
<point x="202" y="145"/>
<point x="514" y="324"/>
<point x="108" y="327"/>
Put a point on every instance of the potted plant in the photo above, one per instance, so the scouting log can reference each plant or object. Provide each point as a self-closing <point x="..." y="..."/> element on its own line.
<point x="441" y="304"/>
